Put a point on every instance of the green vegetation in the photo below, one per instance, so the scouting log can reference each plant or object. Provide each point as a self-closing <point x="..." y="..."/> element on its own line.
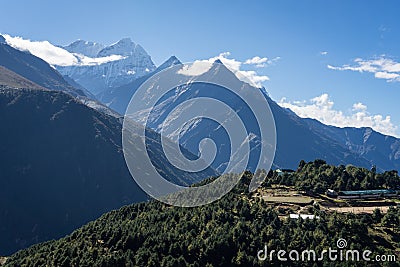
<point x="317" y="177"/>
<point x="228" y="232"/>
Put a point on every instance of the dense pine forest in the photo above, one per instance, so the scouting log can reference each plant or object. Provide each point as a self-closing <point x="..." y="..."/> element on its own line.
<point x="230" y="231"/>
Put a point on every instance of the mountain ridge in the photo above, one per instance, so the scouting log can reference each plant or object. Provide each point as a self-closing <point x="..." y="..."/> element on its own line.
<point x="118" y="98"/>
<point x="12" y="79"/>
<point x="306" y="144"/>
<point x="35" y="69"/>
<point x="86" y="48"/>
<point x="381" y="150"/>
<point x="63" y="165"/>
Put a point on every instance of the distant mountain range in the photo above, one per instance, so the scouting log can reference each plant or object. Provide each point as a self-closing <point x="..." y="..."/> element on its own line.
<point x="61" y="160"/>
<point x="297" y="138"/>
<point x="379" y="149"/>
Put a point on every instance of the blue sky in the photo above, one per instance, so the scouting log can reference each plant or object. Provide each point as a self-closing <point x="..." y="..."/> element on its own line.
<point x="359" y="40"/>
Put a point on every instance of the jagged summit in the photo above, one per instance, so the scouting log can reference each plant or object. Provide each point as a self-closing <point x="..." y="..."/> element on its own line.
<point x="132" y="63"/>
<point x="125" y="40"/>
<point x="171" y="61"/>
<point x="218" y="61"/>
<point x="124" y="47"/>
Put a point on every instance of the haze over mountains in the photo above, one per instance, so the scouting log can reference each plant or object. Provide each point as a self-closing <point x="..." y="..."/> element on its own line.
<point x="347" y="146"/>
<point x="62" y="161"/>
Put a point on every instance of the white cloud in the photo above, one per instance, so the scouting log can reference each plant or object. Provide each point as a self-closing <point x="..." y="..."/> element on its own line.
<point x="322" y="108"/>
<point x="52" y="54"/>
<point x="249" y="76"/>
<point x="381" y="67"/>
<point x="197" y="68"/>
<point x="55" y="55"/>
<point x="359" y="107"/>
<point x="259" y="62"/>
<point x="58" y="56"/>
<point x="88" y="61"/>
<point x="386" y="75"/>
<point x="323" y="53"/>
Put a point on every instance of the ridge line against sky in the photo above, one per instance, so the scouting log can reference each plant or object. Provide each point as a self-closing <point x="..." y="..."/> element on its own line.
<point x="343" y="51"/>
<point x="320" y="107"/>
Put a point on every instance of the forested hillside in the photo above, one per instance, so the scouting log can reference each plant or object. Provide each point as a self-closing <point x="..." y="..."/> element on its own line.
<point x="318" y="176"/>
<point x="229" y="232"/>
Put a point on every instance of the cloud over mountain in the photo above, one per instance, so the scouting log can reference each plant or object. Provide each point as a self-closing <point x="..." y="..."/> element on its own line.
<point x="236" y="66"/>
<point x="55" y="55"/>
<point x="322" y="108"/>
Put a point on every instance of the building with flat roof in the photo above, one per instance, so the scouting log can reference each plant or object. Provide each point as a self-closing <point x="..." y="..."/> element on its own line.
<point x="303" y="216"/>
<point x="368" y="194"/>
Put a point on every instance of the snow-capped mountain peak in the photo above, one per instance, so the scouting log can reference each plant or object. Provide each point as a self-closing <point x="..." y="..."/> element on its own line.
<point x="124" y="47"/>
<point x="112" y="66"/>
<point x="92" y="65"/>
<point x="171" y="61"/>
<point x="86" y="48"/>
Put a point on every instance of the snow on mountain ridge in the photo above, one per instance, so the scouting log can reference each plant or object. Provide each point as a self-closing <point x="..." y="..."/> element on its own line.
<point x="89" y="61"/>
<point x="54" y="55"/>
<point x="94" y="66"/>
<point x="75" y="54"/>
<point x="113" y="66"/>
<point x="86" y="48"/>
<point x="172" y="60"/>
<point x="124" y="47"/>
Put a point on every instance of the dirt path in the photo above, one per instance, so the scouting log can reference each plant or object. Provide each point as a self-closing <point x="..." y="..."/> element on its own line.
<point x="358" y="210"/>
